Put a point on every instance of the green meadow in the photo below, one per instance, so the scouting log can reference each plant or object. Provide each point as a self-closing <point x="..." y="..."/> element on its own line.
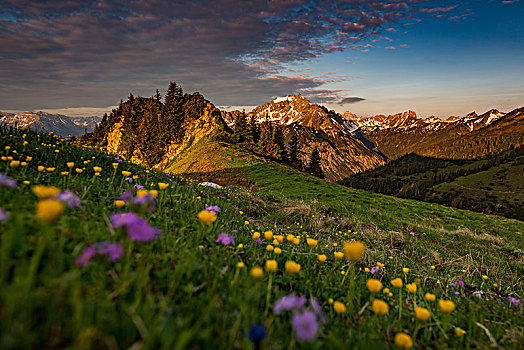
<point x="194" y="267"/>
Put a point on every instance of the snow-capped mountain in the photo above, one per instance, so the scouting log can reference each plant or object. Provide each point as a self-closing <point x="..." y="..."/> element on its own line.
<point x="59" y="124"/>
<point x="405" y="132"/>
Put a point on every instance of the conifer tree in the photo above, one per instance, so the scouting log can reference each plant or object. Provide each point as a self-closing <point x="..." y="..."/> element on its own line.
<point x="278" y="139"/>
<point x="254" y="129"/>
<point x="157" y="96"/>
<point x="241" y="130"/>
<point x="314" y="167"/>
<point x="293" y="145"/>
<point x="172" y="112"/>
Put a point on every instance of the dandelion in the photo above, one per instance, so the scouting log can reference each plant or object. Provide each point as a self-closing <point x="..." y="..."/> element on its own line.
<point x="112" y="250"/>
<point x="339" y="307"/>
<point x="403" y="340"/>
<point x="206" y="217"/>
<point x="49" y="210"/>
<point x="321" y="257"/>
<point x="374" y="285"/>
<point x="305" y="325"/>
<point x="430" y="297"/>
<point x="292" y="267"/>
<point x="271" y="265"/>
<point x="412" y="287"/>
<point x="422" y="314"/>
<point x="380" y="307"/>
<point x="446" y="306"/>
<point x="225" y="239"/>
<point x="338" y="255"/>
<point x="354" y="250"/>
<point x="256" y="272"/>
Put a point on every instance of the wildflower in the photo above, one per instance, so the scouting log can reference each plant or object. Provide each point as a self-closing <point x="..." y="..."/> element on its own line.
<point x="3" y="215"/>
<point x="433" y="267"/>
<point x="125" y="173"/>
<point x="6" y="181"/>
<point x="338" y="255"/>
<point x="279" y="238"/>
<point x="292" y="267"/>
<point x="514" y="301"/>
<point x="240" y="246"/>
<point x="69" y="198"/>
<point x="397" y="282"/>
<point x="256" y="235"/>
<point x="268" y="235"/>
<point x="430" y="297"/>
<point x="163" y="185"/>
<point x="373" y="270"/>
<point x="256" y="272"/>
<point x="312" y="242"/>
<point x="214" y="209"/>
<point x="269" y="248"/>
<point x="206" y="217"/>
<point x="484" y="277"/>
<point x="277" y="251"/>
<point x="290" y="237"/>
<point x="289" y="302"/>
<point x="380" y="265"/>
<point x="259" y="241"/>
<point x="296" y="241"/>
<point x="70" y="165"/>
<point x="256" y="335"/>
<point x="40" y="168"/>
<point x="412" y="287"/>
<point x="115" y="165"/>
<point x="374" y="285"/>
<point x="271" y="265"/>
<point x="405" y="270"/>
<point x="14" y="163"/>
<point x="64" y="173"/>
<point x="380" y="307"/>
<point x="366" y="269"/>
<point x="421" y="313"/>
<point x="322" y="257"/>
<point x="354" y="250"/>
<point x="44" y="192"/>
<point x="386" y="291"/>
<point x="339" y="307"/>
<point x="112" y="250"/>
<point x="137" y="227"/>
<point x="225" y="239"/>
<point x="240" y="265"/>
<point x="246" y="222"/>
<point x="459" y="332"/>
<point x="97" y="169"/>
<point x="403" y="340"/>
<point x="49" y="210"/>
<point x="305" y="325"/>
<point x="119" y="203"/>
<point x="446" y="306"/>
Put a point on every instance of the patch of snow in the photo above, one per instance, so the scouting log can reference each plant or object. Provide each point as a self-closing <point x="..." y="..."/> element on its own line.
<point x="283" y="99"/>
<point x="210" y="184"/>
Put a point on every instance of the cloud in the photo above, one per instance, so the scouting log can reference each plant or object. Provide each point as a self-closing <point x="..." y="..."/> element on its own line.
<point x="390" y="48"/>
<point x="65" y="53"/>
<point x="348" y="100"/>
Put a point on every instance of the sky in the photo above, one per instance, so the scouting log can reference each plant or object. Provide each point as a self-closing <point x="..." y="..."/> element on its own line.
<point x="371" y="57"/>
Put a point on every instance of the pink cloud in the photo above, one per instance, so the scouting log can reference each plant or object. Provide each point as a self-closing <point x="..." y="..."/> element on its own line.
<point x="390" y="48"/>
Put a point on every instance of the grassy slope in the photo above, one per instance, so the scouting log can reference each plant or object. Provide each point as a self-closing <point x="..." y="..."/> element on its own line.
<point x="183" y="290"/>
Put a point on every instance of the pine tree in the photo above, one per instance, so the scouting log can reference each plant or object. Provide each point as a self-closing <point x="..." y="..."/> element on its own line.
<point x="172" y="112"/>
<point x="293" y="145"/>
<point x="314" y="167"/>
<point x="278" y="139"/>
<point x="254" y="129"/>
<point x="241" y="130"/>
<point x="157" y="96"/>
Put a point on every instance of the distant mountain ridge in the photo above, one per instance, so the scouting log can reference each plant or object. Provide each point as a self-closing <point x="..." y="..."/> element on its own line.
<point x="59" y="124"/>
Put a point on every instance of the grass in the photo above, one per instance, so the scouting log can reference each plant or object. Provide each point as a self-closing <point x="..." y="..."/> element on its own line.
<point x="184" y="289"/>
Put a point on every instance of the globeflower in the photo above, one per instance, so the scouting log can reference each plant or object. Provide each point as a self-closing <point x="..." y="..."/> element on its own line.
<point x="374" y="285"/>
<point x="97" y="169"/>
<point x="206" y="217"/>
<point x="40" y="168"/>
<point x="338" y="255"/>
<point x="312" y="242"/>
<point x="412" y="287"/>
<point x="125" y="173"/>
<point x="430" y="297"/>
<point x="277" y="251"/>
<point x="14" y="163"/>
<point x="421" y="313"/>
<point x="354" y="250"/>
<point x="403" y="340"/>
<point x="459" y="332"/>
<point x="292" y="267"/>
<point x="405" y="270"/>
<point x="268" y="235"/>
<point x="44" y="192"/>
<point x="256" y="272"/>
<point x="163" y="185"/>
<point x="339" y="307"/>
<point x="119" y="203"/>
<point x="397" y="282"/>
<point x="322" y="257"/>
<point x="446" y="306"/>
<point x="290" y="237"/>
<point x="49" y="210"/>
<point x="70" y="165"/>
<point x="256" y="235"/>
<point x="380" y="307"/>
<point x="271" y="265"/>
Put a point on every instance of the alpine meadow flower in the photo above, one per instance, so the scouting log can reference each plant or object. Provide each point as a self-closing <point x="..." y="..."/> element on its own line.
<point x="138" y="229"/>
<point x="305" y="325"/>
<point x="268" y="235"/>
<point x="256" y="272"/>
<point x="459" y="332"/>
<point x="397" y="282"/>
<point x="69" y="198"/>
<point x="3" y="215"/>
<point x="339" y="307"/>
<point x="403" y="341"/>
<point x="446" y="306"/>
<point x="206" y="217"/>
<point x="45" y="192"/>
<point x="354" y="250"/>
<point x="412" y="287"/>
<point x="422" y="314"/>
<point x="430" y="297"/>
<point x="112" y="250"/>
<point x="380" y="307"/>
<point x="338" y="255"/>
<point x="321" y="257"/>
<point x="311" y="242"/>
<point x="49" y="210"/>
<point x="271" y="265"/>
<point x="292" y="267"/>
<point x="374" y="285"/>
<point x="289" y="302"/>
<point x="226" y="239"/>
<point x="6" y="181"/>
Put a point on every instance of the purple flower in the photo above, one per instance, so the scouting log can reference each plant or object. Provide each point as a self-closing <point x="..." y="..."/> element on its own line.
<point x="3" y="215"/>
<point x="129" y="179"/>
<point x="123" y="219"/>
<point x="137" y="227"/>
<point x="457" y="293"/>
<point x="127" y="196"/>
<point x="213" y="208"/>
<point x="226" y="239"/>
<point x="478" y="293"/>
<point x="69" y="198"/>
<point x="147" y="200"/>
<point x="305" y="325"/>
<point x="113" y="251"/>
<point x="259" y="241"/>
<point x="412" y="233"/>
<point x="317" y="309"/>
<point x="289" y="302"/>
<point x="139" y="187"/>
<point x="6" y="181"/>
<point x="461" y="283"/>
<point x="514" y="301"/>
<point x="373" y="270"/>
<point x="453" y="284"/>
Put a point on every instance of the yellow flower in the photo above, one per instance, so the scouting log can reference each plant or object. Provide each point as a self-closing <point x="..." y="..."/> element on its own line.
<point x="380" y="307"/>
<point x="26" y="182"/>
<point x="290" y="237"/>
<point x="374" y="285"/>
<point x="28" y="159"/>
<point x="276" y="242"/>
<point x="78" y="170"/>
<point x="256" y="235"/>
<point x="484" y="277"/>
<point x="70" y="165"/>
<point x="44" y="192"/>
<point x="433" y="267"/>
<point x="14" y="163"/>
<point x="23" y="163"/>
<point x="277" y="251"/>
<point x="405" y="270"/>
<point x="386" y="291"/>
<point x="271" y="265"/>
<point x="163" y="185"/>
<point x="240" y="265"/>
<point x="312" y="242"/>
<point x="256" y="272"/>
<point x="65" y="173"/>
<point x="296" y="241"/>
<point x="339" y="307"/>
<point x="380" y="265"/>
<point x="119" y="203"/>
<point x="126" y="173"/>
<point x="459" y="332"/>
<point x="97" y="169"/>
<point x="41" y="168"/>
<point x="322" y="257"/>
<point x="268" y="235"/>
<point x="421" y="313"/>
<point x="269" y="248"/>
<point x="330" y="300"/>
<point x="240" y="245"/>
<point x="397" y="282"/>
<point x="49" y="210"/>
<point x="366" y="269"/>
<point x="430" y="297"/>
<point x="57" y="150"/>
<point x="135" y="177"/>
<point x="207" y="217"/>
<point x="338" y="255"/>
<point x="412" y="287"/>
<point x="279" y="238"/>
<point x="246" y="222"/>
<point x="153" y="193"/>
<point x="292" y="267"/>
<point x="403" y="340"/>
<point x="97" y="174"/>
<point x="354" y="250"/>
<point x="446" y="306"/>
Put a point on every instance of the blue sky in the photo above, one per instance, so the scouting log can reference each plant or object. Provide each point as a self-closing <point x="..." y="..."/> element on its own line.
<point x="435" y="57"/>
